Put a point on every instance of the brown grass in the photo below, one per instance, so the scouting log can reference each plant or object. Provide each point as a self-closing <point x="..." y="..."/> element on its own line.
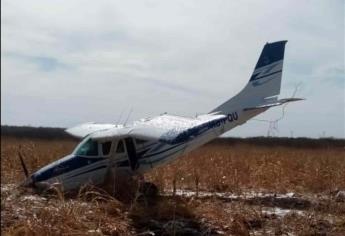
<point x="243" y="167"/>
<point x="57" y="215"/>
<point x="37" y="153"/>
<point x="315" y="174"/>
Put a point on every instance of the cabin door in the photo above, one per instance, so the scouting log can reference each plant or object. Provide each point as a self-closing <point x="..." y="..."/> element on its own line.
<point x="132" y="154"/>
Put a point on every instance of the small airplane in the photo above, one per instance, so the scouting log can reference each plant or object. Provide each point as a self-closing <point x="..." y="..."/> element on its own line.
<point x="137" y="148"/>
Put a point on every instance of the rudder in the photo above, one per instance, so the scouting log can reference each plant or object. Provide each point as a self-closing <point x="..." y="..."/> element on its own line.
<point x="269" y="68"/>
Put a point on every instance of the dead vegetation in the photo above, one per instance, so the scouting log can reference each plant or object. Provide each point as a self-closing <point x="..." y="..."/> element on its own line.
<point x="239" y="167"/>
<point x="273" y="190"/>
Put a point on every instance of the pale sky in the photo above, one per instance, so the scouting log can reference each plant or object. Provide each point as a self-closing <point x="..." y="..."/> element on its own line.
<point x="69" y="62"/>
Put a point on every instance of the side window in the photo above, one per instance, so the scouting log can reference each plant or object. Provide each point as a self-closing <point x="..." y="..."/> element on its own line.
<point x="120" y="147"/>
<point x="106" y="148"/>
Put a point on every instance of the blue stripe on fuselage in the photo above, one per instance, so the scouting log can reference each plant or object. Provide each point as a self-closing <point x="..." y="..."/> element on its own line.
<point x="97" y="168"/>
<point x="190" y="133"/>
<point x="73" y="163"/>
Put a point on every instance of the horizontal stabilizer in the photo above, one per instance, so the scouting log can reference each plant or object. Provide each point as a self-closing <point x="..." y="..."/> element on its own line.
<point x="272" y="104"/>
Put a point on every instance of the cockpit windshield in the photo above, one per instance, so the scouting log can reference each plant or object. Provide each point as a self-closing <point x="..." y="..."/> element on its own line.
<point x="88" y="148"/>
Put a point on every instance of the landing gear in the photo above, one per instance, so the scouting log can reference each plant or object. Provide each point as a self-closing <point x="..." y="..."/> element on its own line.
<point x="127" y="188"/>
<point x="147" y="191"/>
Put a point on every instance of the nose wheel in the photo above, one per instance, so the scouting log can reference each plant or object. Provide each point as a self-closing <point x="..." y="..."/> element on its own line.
<point x="147" y="191"/>
<point x="127" y="188"/>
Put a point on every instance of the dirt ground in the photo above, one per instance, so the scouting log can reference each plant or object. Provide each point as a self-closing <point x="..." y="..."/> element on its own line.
<point x="182" y="213"/>
<point x="217" y="190"/>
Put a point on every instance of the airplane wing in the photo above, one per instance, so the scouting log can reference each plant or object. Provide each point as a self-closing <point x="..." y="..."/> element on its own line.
<point x="166" y="128"/>
<point x="175" y="129"/>
<point x="85" y="129"/>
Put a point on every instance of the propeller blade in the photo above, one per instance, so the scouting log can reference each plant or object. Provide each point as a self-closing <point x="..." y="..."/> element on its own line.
<point x="23" y="164"/>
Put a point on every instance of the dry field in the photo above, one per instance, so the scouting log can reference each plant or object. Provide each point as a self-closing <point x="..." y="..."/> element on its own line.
<point x="219" y="189"/>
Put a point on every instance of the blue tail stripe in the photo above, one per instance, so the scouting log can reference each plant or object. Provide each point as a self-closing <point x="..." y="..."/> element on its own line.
<point x="256" y="78"/>
<point x="271" y="53"/>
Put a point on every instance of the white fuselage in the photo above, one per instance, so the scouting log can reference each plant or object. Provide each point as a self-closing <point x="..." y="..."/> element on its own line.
<point x="157" y="153"/>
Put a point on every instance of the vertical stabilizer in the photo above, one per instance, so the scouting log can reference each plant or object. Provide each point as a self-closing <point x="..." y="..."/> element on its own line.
<point x="265" y="81"/>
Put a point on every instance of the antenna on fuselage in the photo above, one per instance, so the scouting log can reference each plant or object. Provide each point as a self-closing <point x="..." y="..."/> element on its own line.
<point x="129" y="114"/>
<point x="120" y="117"/>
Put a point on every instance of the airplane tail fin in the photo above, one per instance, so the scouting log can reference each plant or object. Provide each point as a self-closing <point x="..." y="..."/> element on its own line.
<point x="264" y="84"/>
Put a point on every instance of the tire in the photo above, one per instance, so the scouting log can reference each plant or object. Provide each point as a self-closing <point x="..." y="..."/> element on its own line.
<point x="149" y="190"/>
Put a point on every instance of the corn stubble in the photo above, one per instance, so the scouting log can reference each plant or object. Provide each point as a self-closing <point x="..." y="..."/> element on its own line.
<point x="314" y="175"/>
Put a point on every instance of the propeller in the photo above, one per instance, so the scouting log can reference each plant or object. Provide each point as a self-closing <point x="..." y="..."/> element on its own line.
<point x="26" y="172"/>
<point x="28" y="182"/>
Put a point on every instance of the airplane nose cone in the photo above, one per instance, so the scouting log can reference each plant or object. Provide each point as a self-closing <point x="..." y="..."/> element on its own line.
<point x="52" y="170"/>
<point x="28" y="182"/>
<point x="31" y="182"/>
